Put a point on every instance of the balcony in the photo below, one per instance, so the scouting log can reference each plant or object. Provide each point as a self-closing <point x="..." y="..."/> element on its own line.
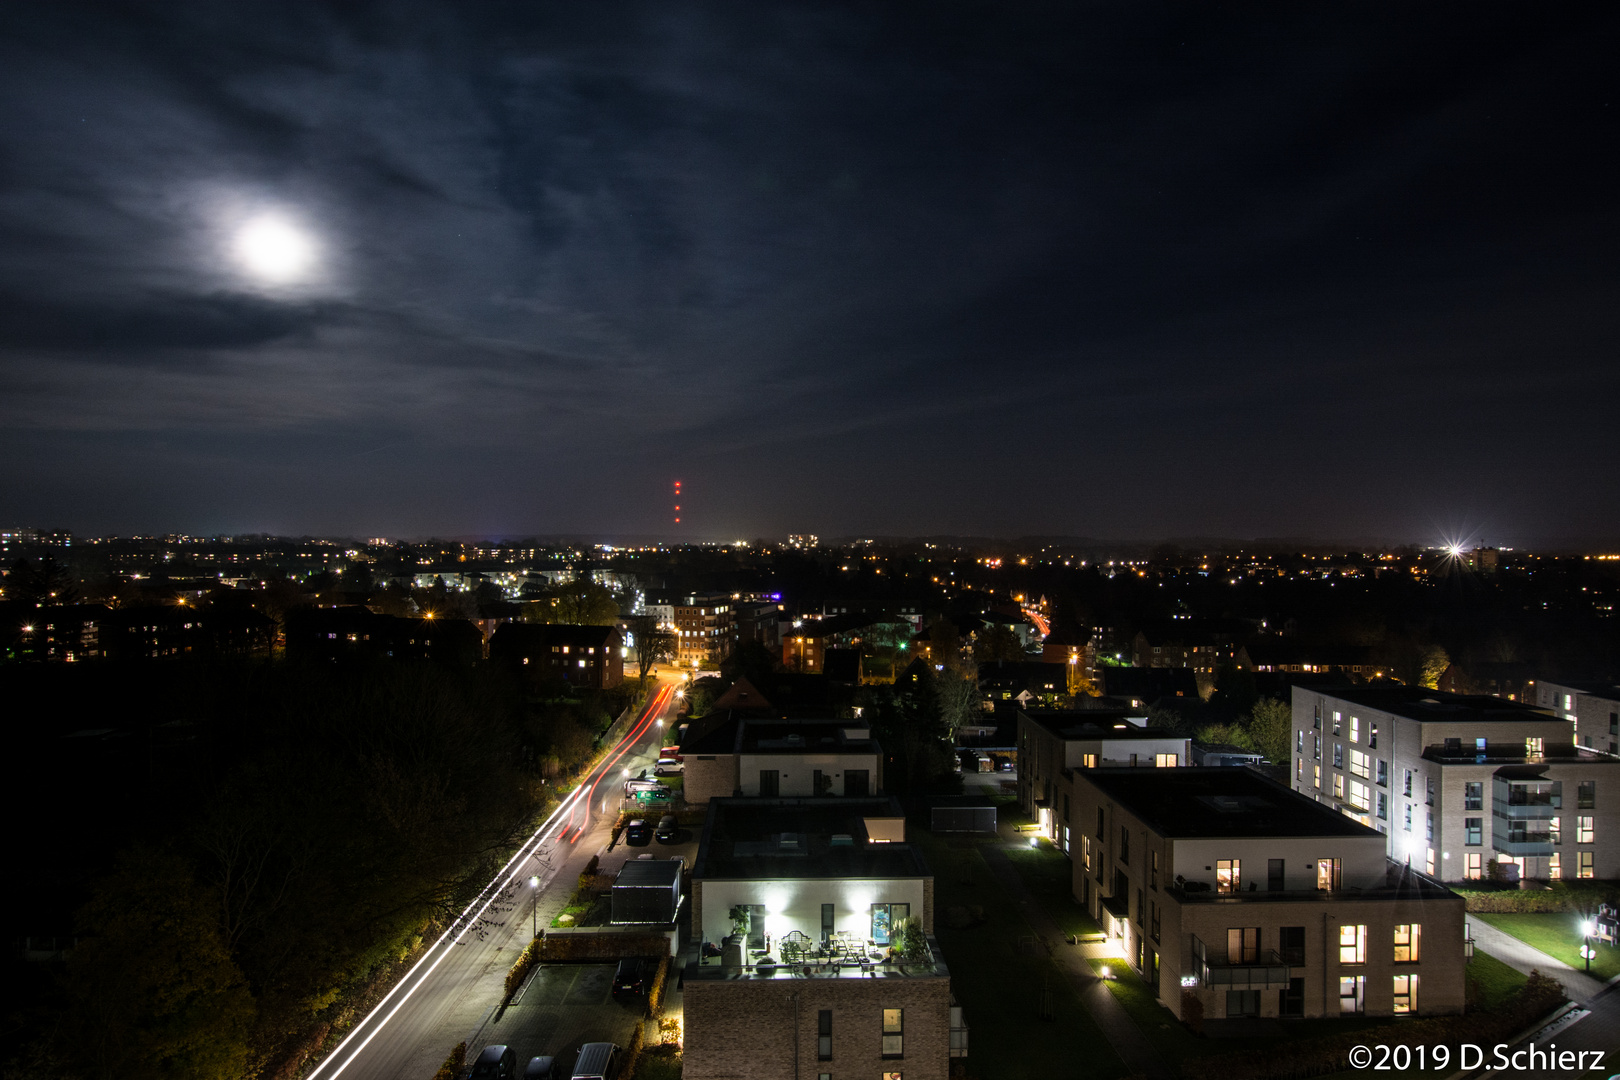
<point x="1268" y="971"/>
<point x="1520" y="844"/>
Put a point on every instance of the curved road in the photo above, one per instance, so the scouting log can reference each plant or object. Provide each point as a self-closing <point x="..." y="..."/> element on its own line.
<point x="458" y="980"/>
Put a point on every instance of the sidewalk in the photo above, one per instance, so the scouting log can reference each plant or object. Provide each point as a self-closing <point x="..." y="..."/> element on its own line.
<point x="1580" y="986"/>
<point x="1122" y="1034"/>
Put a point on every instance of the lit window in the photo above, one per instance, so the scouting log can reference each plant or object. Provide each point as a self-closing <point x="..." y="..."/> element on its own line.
<point x="1407" y="939"/>
<point x="1473" y="868"/>
<point x="1227" y="875"/>
<point x="1338" y="785"/>
<point x="1583" y="864"/>
<point x="1583" y="829"/>
<point x="893" y="1033"/>
<point x="1353" y="944"/>
<point x="1406" y="987"/>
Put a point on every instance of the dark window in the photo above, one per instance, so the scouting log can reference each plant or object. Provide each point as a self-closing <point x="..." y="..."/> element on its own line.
<point x="1292" y="1000"/>
<point x="1243" y="1003"/>
<point x="1139" y="906"/>
<point x="1122" y="886"/>
<point x="1338" y="755"/>
<point x="770" y="783"/>
<point x="1291" y="942"/>
<point x="1316" y="717"/>
<point x="824" y="1035"/>
<point x="1274" y="875"/>
<point x="857" y="783"/>
<point x="1474" y="795"/>
<point x="1586" y="795"/>
<point x="820" y="783"/>
<point x="1372" y="738"/>
<point x="1383" y="773"/>
<point x="1429" y="795"/>
<point x="1154" y="922"/>
<point x="1099" y="823"/>
<point x="1153" y="869"/>
<point x="826" y="921"/>
<point x="1473" y="831"/>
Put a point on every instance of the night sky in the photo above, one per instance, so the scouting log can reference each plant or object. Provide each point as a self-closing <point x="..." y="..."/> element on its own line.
<point x="1124" y="271"/>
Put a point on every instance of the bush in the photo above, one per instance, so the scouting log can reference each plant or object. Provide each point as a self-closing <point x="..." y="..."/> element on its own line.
<point x="632" y="1054"/>
<point x="520" y="970"/>
<point x="655" y="995"/>
<point x="586" y="946"/>
<point x="451" y="1069"/>
<point x="1562" y="896"/>
<point x="1539" y="996"/>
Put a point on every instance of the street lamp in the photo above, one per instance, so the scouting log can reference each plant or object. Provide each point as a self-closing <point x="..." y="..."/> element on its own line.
<point x="534" y="902"/>
<point x="1588" y="928"/>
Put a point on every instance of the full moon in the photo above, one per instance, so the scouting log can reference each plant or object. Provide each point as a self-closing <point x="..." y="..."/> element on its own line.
<point x="274" y="250"/>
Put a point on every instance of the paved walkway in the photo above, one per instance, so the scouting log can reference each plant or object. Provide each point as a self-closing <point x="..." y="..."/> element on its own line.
<point x="1580" y="986"/>
<point x="1122" y="1034"/>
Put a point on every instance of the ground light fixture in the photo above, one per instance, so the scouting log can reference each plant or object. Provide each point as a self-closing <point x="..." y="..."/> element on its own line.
<point x="534" y="902"/>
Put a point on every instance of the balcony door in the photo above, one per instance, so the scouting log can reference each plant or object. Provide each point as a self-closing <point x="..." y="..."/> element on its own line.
<point x="770" y="783"/>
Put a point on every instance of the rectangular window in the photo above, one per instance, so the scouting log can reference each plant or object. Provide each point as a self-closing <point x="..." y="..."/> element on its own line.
<point x="1372" y="737"/>
<point x="1408" y="936"/>
<point x="1428" y="824"/>
<point x="824" y="1035"/>
<point x="1329" y="874"/>
<point x="1474" y="795"/>
<point x="1316" y="716"/>
<point x="1555" y="868"/>
<point x="1274" y="875"/>
<point x="1473" y="831"/>
<point x="1383" y="807"/>
<point x="1360" y="796"/>
<point x="1583" y="828"/>
<point x="1429" y="794"/>
<point x="893" y="1033"/>
<point x="1316" y="747"/>
<point x="1338" y="722"/>
<point x="1350" y="993"/>
<point x="1318" y="769"/>
<point x="1291" y="942"/>
<point x="1338" y="755"/>
<point x="1407" y="789"/>
<point x="1555" y="830"/>
<point x="1353" y="944"/>
<point x="1583" y="864"/>
<point x="1299" y="770"/>
<point x="1085" y="852"/>
<point x="1243" y="945"/>
<point x="1227" y="875"/>
<point x="1153" y="870"/>
<point x="1406" y="994"/>
<point x="1124" y="845"/>
<point x="1428" y="862"/>
<point x="1154" y="908"/>
<point x="1089" y="761"/>
<point x="1299" y="741"/>
<point x="1360" y="765"/>
<point x="1355" y="729"/>
<point x="1100" y="833"/>
<point x="827" y="923"/>
<point x="1473" y="865"/>
<point x="1532" y="749"/>
<point x="770" y="783"/>
<point x="887" y="920"/>
<point x="1383" y="773"/>
<point x="1338" y="786"/>
<point x="1408" y="825"/>
<point x="1586" y="795"/>
<point x="1164" y="761"/>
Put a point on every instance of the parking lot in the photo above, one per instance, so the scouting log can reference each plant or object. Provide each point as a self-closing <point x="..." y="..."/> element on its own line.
<point x="563" y="1007"/>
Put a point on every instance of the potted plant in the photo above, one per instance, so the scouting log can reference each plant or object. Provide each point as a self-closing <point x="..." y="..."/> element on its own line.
<point x="741" y="919"/>
<point x="913" y="942"/>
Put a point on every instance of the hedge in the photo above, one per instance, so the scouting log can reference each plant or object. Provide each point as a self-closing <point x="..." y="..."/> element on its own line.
<point x="1562" y="896"/>
<point x="451" y="1069"/>
<point x="585" y="946"/>
<point x="1539" y="996"/>
<point x="655" y="996"/>
<point x="520" y="970"/>
<point x="633" y="1054"/>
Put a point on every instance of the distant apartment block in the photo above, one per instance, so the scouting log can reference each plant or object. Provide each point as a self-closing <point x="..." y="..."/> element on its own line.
<point x="1456" y="781"/>
<point x="586" y="656"/>
<point x="1051" y="744"/>
<point x="1226" y="889"/>
<point x="1593" y="706"/>
<point x="787" y="758"/>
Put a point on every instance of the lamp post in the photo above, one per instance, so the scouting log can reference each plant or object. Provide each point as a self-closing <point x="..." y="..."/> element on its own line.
<point x="1588" y="928"/>
<point x="534" y="902"/>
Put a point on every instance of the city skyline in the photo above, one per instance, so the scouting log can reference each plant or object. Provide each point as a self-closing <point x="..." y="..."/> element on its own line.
<point x="1118" y="273"/>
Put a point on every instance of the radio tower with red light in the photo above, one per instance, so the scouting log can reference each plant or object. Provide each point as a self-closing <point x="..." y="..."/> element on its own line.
<point x="677" y="502"/>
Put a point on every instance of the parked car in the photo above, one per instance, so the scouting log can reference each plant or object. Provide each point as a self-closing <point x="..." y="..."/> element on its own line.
<point x="668" y="767"/>
<point x="544" y="1068"/>
<point x="629" y="978"/>
<point x="597" y="1061"/>
<point x="668" y="829"/>
<point x="637" y="832"/>
<point x="496" y="1062"/>
<point x="658" y="795"/>
<point x="671" y="751"/>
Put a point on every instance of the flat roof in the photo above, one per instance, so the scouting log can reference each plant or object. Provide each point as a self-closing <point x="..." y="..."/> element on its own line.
<point x="751" y="735"/>
<point x="1436" y="706"/>
<point x="756" y="838"/>
<point x="1096" y="724"/>
<point x="641" y="873"/>
<point x="1219" y="802"/>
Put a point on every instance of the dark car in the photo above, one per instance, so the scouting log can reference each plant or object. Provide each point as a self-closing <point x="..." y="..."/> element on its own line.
<point x="495" y="1063"/>
<point x="544" y="1068"/>
<point x="668" y="829"/>
<point x="629" y="979"/>
<point x="637" y="832"/>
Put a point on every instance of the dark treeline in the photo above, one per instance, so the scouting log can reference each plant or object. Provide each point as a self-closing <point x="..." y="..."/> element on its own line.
<point x="244" y="847"/>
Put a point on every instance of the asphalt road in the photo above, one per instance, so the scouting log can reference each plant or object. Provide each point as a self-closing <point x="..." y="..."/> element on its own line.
<point x="459" y="981"/>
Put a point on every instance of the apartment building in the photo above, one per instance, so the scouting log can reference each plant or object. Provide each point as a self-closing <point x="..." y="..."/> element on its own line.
<point x="585" y="656"/>
<point x="1457" y="781"/>
<point x="803" y="900"/>
<point x="703" y="629"/>
<point x="788" y="758"/>
<point x="1232" y="896"/>
<point x="1594" y="707"/>
<point x="1051" y="743"/>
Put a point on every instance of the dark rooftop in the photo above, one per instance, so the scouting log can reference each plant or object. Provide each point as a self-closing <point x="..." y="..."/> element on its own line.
<point x="746" y="734"/>
<point x="1564" y="755"/>
<point x="640" y="873"/>
<point x="1436" y="706"/>
<point x="753" y="838"/>
<point x="1096" y="724"/>
<point x="1218" y="802"/>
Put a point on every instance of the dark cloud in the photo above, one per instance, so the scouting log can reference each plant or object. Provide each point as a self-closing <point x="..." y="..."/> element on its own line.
<point x="1111" y="269"/>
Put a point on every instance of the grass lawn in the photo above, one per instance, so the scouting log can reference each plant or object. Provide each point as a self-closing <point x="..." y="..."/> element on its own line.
<point x="999" y="985"/>
<point x="1558" y="936"/>
<point x="1494" y="982"/>
<point x="1049" y="878"/>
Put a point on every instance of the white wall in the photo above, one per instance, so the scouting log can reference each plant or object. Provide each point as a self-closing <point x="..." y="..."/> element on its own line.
<point x="795" y="904"/>
<point x="1361" y="859"/>
<point x="796" y="770"/>
<point x="1119" y="751"/>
